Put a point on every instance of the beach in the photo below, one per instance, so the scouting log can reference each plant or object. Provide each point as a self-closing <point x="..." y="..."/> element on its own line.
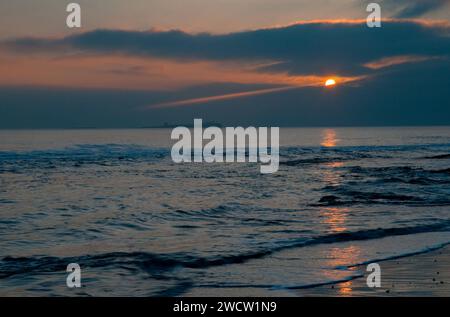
<point x="419" y="275"/>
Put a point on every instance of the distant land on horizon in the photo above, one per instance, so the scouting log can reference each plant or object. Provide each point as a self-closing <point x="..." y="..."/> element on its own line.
<point x="205" y="125"/>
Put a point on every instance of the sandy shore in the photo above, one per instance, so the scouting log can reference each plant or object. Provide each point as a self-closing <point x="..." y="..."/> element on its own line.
<point x="426" y="274"/>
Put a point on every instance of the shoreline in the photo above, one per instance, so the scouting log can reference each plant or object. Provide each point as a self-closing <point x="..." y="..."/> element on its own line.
<point x="420" y="274"/>
<point x="424" y="274"/>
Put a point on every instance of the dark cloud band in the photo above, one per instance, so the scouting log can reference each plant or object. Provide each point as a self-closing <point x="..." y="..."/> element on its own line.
<point x="307" y="48"/>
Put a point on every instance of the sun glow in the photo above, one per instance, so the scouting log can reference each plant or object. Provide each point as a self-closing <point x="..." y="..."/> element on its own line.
<point x="330" y="82"/>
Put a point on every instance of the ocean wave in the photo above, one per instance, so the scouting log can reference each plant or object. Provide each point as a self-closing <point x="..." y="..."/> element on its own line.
<point x="414" y="181"/>
<point x="315" y="160"/>
<point x="360" y="197"/>
<point x="438" y="157"/>
<point x="87" y="151"/>
<point x="298" y="156"/>
<point x="158" y="264"/>
<point x="10" y="266"/>
<point x="396" y="170"/>
<point x="440" y="171"/>
<point x="348" y="197"/>
<point x="78" y="156"/>
<point x="349" y="149"/>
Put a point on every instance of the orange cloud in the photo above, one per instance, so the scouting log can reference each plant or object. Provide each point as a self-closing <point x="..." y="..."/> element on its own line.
<point x="201" y="100"/>
<point x="138" y="73"/>
<point x="396" y="60"/>
<point x="315" y="81"/>
<point x="424" y="22"/>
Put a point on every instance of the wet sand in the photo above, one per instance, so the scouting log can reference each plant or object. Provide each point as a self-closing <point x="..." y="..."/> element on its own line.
<point x="426" y="274"/>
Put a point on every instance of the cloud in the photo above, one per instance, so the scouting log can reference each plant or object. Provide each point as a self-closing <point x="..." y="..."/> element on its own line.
<point x="396" y="60"/>
<point x="408" y="94"/>
<point x="135" y="72"/>
<point x="306" y="48"/>
<point x="203" y="100"/>
<point x="397" y="74"/>
<point x="412" y="8"/>
<point x="302" y="82"/>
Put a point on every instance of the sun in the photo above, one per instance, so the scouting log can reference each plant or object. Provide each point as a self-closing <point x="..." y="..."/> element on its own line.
<point x="330" y="82"/>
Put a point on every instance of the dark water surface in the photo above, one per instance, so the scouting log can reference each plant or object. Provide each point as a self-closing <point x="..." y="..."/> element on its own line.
<point x="138" y="224"/>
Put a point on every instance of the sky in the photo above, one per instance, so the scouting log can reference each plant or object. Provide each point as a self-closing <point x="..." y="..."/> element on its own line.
<point x="143" y="63"/>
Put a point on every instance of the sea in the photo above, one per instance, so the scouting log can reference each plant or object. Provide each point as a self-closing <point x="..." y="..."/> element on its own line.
<point x="138" y="224"/>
